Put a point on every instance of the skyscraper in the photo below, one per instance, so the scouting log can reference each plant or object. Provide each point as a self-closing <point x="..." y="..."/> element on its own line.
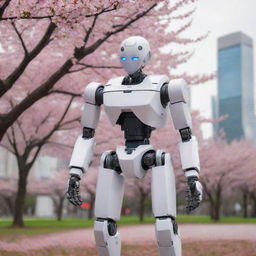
<point x="236" y="86"/>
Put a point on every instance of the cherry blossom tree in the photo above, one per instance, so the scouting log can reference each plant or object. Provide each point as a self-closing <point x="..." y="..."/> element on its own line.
<point x="69" y="33"/>
<point x="222" y="165"/>
<point x="54" y="187"/>
<point x="244" y="181"/>
<point x="54" y="49"/>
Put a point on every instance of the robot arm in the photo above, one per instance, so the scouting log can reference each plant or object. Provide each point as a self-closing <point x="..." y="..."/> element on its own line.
<point x="188" y="147"/>
<point x="85" y="143"/>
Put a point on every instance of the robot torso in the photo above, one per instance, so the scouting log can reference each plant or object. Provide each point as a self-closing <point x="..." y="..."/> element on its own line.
<point x="143" y="100"/>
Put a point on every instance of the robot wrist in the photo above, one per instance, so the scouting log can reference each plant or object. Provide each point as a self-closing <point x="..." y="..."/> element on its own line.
<point x="192" y="179"/>
<point x="76" y="171"/>
<point x="75" y="176"/>
<point x="191" y="172"/>
<point x="88" y="133"/>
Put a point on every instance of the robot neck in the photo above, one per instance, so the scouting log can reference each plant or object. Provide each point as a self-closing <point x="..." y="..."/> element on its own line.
<point x="135" y="78"/>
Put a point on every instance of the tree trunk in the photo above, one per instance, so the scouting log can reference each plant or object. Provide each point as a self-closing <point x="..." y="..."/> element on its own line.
<point x="216" y="215"/>
<point x="142" y="208"/>
<point x="245" y="204"/>
<point x="253" y="197"/>
<point x="211" y="210"/>
<point x="215" y="209"/>
<point x="20" y="199"/>
<point x="60" y="208"/>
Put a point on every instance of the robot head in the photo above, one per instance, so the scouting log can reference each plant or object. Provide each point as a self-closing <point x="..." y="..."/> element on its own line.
<point x="134" y="53"/>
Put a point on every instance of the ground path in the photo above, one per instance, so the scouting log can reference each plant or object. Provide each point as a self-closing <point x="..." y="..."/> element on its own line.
<point x="139" y="234"/>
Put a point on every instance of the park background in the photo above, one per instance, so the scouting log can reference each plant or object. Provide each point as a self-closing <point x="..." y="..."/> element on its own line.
<point x="40" y="111"/>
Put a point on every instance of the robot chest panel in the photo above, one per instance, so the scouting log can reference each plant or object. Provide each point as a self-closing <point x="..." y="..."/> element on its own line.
<point x="142" y="99"/>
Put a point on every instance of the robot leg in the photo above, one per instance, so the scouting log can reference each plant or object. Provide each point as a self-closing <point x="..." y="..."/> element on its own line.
<point x="164" y="206"/>
<point x="109" y="197"/>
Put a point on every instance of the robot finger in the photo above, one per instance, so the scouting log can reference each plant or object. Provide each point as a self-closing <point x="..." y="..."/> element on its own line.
<point x="78" y="200"/>
<point x="76" y="196"/>
<point x="72" y="197"/>
<point x="74" y="201"/>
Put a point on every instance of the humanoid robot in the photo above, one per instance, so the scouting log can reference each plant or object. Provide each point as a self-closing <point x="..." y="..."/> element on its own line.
<point x="139" y="103"/>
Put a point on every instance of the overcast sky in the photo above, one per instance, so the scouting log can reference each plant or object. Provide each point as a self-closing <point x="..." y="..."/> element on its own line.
<point x="220" y="17"/>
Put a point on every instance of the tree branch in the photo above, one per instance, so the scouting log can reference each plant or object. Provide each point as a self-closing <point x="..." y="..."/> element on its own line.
<point x="29" y="17"/>
<point x="42" y="141"/>
<point x="21" y="39"/>
<point x="82" y="51"/>
<point x="7" y="148"/>
<point x="13" y="77"/>
<point x="4" y="6"/>
<point x="85" y="66"/>
<point x="59" y="144"/>
<point x="65" y="93"/>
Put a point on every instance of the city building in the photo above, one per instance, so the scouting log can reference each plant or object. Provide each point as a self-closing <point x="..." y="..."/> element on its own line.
<point x="235" y="97"/>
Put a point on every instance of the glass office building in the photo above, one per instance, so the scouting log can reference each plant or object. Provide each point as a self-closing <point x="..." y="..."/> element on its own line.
<point x="236" y="86"/>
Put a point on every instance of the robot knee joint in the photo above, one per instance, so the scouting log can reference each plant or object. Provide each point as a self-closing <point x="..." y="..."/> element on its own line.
<point x="111" y="225"/>
<point x="153" y="158"/>
<point x="148" y="159"/>
<point x="111" y="162"/>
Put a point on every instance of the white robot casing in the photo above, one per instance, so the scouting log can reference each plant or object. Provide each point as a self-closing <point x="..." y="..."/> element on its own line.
<point x="142" y="99"/>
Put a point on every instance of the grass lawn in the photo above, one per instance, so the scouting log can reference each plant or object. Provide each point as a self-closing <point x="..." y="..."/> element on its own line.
<point x="216" y="248"/>
<point x="43" y="226"/>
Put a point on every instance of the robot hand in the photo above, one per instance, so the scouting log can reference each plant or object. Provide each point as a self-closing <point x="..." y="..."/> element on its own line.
<point x="73" y="194"/>
<point x="193" y="193"/>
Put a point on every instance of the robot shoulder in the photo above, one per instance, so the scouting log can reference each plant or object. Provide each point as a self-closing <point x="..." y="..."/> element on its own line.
<point x="178" y="91"/>
<point x="93" y="93"/>
<point x="157" y="80"/>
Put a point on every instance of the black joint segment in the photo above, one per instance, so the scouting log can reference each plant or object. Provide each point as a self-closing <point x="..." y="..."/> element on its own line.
<point x="191" y="169"/>
<point x="163" y="158"/>
<point x="99" y="95"/>
<point x="75" y="177"/>
<point x="88" y="133"/>
<point x="186" y="134"/>
<point x="112" y="227"/>
<point x="148" y="159"/>
<point x="101" y="219"/>
<point x="175" y="226"/>
<point x="192" y="179"/>
<point x="164" y="96"/>
<point x="136" y="133"/>
<point x="111" y="162"/>
<point x="135" y="78"/>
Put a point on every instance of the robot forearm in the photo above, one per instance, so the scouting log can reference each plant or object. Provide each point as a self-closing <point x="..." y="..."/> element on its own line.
<point x="82" y="155"/>
<point x="189" y="157"/>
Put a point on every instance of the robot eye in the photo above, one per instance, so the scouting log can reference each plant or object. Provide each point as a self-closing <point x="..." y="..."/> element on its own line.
<point x="140" y="47"/>
<point x="123" y="58"/>
<point x="134" y="58"/>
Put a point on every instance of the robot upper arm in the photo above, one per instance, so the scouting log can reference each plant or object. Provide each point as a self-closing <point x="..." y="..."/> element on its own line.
<point x="93" y="97"/>
<point x="178" y="96"/>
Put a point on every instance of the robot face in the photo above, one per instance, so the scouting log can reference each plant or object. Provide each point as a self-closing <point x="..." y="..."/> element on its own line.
<point x="134" y="53"/>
